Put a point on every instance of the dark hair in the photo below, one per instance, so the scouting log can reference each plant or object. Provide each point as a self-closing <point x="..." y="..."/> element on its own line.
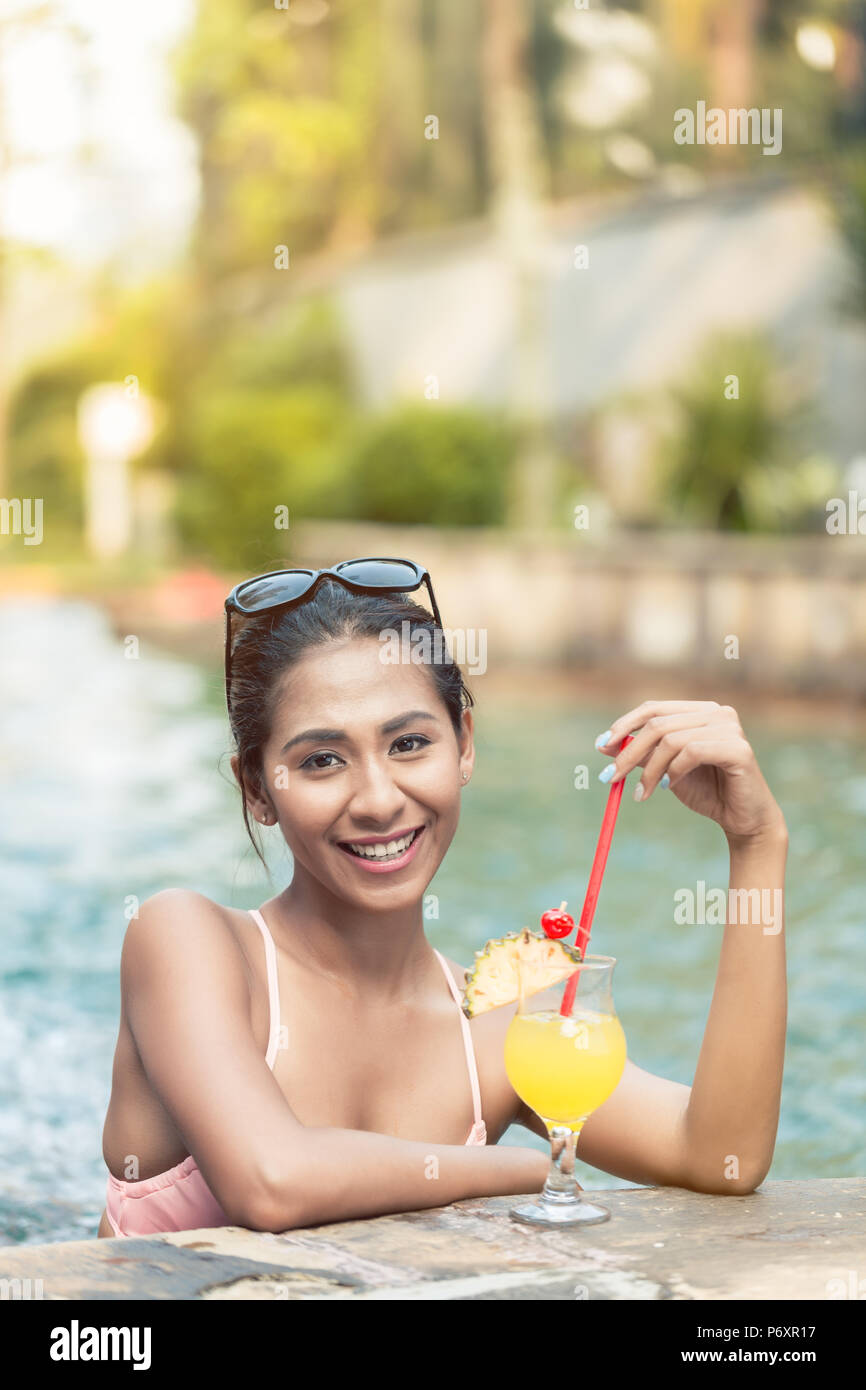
<point x="267" y="645"/>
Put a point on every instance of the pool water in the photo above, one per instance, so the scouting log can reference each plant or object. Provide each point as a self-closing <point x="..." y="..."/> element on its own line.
<point x="115" y="783"/>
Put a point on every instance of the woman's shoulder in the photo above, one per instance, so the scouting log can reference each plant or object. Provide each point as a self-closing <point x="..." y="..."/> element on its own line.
<point x="178" y="922"/>
<point x="178" y="905"/>
<point x="181" y="897"/>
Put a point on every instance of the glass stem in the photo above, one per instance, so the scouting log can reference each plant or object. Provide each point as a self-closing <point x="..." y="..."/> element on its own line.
<point x="560" y="1178"/>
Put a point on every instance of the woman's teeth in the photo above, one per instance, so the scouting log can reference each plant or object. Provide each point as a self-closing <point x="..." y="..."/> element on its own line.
<point x="388" y="850"/>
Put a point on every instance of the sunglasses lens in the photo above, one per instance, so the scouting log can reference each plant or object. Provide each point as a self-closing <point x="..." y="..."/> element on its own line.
<point x="273" y="588"/>
<point x="385" y="572"/>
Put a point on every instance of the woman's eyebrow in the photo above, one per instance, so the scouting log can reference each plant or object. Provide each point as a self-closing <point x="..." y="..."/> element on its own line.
<point x="340" y="735"/>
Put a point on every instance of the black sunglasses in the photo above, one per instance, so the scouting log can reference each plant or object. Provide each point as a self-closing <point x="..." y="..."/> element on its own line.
<point x="286" y="588"/>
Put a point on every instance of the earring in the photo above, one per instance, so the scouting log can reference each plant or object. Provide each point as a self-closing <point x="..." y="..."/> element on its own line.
<point x="465" y="775"/>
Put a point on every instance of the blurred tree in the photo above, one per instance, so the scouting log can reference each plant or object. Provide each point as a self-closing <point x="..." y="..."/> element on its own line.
<point x="281" y="117"/>
<point x="312" y="136"/>
<point x="144" y="328"/>
<point x="738" y="419"/>
<point x="401" y="146"/>
<point x="261" y="401"/>
<point x="458" y="161"/>
<point x="518" y="174"/>
<point x="722" y="32"/>
<point x="15" y="19"/>
<point x="850" y="211"/>
<point x="744" y="53"/>
<point x="310" y="124"/>
<point x="45" y="455"/>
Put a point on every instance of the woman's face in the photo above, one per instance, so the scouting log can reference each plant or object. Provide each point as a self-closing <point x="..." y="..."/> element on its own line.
<point x="363" y="751"/>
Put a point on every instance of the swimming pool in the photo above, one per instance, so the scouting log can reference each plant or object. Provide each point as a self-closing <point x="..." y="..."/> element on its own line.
<point x="115" y="783"/>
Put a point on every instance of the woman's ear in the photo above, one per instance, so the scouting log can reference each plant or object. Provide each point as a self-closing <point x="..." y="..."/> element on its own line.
<point x="467" y="746"/>
<point x="257" y="803"/>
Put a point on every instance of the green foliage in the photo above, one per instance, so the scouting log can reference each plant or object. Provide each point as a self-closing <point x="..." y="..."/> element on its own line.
<point x="283" y="113"/>
<point x="253" y="451"/>
<point x="304" y="449"/>
<point x="262" y="427"/>
<point x="259" y="419"/>
<point x="850" y="209"/>
<point x="430" y="465"/>
<point x="734" y="464"/>
<point x="793" y="497"/>
<point x="45" y="456"/>
<point x="250" y="420"/>
<point x="139" y="336"/>
<point x="310" y="134"/>
<point x="295" y="344"/>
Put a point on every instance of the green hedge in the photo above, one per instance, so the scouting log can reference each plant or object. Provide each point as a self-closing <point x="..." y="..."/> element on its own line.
<point x="423" y="463"/>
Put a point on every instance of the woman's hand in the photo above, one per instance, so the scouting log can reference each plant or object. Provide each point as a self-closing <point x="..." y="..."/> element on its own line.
<point x="700" y="746"/>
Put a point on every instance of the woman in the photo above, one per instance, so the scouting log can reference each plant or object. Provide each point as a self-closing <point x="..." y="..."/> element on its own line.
<point x="309" y="1062"/>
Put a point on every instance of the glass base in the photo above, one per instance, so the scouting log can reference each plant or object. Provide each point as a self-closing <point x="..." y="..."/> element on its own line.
<point x="571" y="1212"/>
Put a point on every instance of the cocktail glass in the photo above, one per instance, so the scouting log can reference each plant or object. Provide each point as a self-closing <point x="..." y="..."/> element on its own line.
<point x="564" y="1067"/>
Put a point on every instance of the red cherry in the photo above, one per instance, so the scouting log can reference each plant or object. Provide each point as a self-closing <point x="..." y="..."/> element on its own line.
<point x="557" y="923"/>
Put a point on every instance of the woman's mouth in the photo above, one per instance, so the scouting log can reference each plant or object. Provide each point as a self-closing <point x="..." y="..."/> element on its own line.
<point x="387" y="856"/>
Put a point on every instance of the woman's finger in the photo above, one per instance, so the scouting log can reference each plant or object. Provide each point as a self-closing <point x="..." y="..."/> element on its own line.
<point x="732" y="754"/>
<point x="670" y="750"/>
<point x="638" y="752"/>
<point x="636" y="718"/>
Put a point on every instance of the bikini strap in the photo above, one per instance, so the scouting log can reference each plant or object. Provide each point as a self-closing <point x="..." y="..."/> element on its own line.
<point x="273" y="987"/>
<point x="478" y="1126"/>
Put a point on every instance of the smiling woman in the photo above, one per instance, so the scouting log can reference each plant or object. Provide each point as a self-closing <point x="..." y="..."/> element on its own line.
<point x="353" y="1097"/>
<point x="390" y="851"/>
<point x="214" y="1115"/>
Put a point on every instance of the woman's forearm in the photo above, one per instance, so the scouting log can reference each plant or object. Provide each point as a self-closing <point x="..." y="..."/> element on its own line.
<point x="733" y="1111"/>
<point x="346" y="1174"/>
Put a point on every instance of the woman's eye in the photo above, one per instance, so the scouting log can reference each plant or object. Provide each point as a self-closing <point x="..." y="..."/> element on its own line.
<point x="313" y="761"/>
<point x="418" y="739"/>
<point x="316" y="764"/>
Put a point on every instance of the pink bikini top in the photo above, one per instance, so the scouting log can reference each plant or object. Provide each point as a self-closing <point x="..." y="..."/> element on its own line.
<point x="179" y="1199"/>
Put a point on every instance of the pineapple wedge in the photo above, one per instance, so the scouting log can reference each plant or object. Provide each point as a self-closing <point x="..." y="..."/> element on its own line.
<point x="494" y="979"/>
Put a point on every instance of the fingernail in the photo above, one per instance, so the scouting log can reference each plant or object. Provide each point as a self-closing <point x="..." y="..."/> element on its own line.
<point x="639" y="792"/>
<point x="665" y="781"/>
<point x="602" y="738"/>
<point x="607" y="772"/>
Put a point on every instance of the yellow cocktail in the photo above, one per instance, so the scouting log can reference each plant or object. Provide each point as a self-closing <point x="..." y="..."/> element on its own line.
<point x="564" y="1065"/>
<point x="563" y="1068"/>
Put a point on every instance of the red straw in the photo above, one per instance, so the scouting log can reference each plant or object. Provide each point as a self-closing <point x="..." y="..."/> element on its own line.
<point x="601" y="850"/>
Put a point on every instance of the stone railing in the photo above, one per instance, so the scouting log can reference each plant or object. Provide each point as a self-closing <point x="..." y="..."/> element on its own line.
<point x="789" y="1240"/>
<point x="762" y="612"/>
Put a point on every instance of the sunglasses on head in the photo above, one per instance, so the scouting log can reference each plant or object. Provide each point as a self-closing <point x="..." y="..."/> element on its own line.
<point x="287" y="588"/>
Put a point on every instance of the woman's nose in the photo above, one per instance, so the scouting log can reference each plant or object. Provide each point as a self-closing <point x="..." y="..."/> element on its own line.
<point x="376" y="796"/>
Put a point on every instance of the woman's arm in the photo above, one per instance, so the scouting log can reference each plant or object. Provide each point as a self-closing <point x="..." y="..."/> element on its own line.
<point x="187" y="1003"/>
<point x="733" y="1111"/>
<point x="717" y="1135"/>
<point x="344" y="1174"/>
